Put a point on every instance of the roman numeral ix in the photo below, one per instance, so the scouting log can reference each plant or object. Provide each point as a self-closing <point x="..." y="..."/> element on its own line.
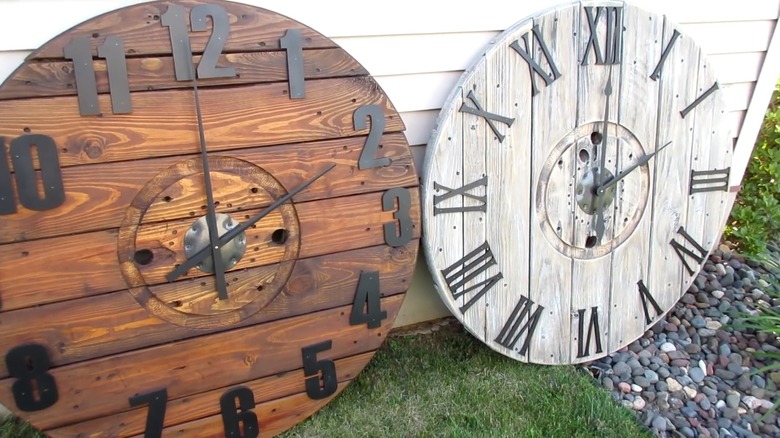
<point x="613" y="47"/>
<point x="644" y="297"/>
<point x="583" y="342"/>
<point x="709" y="180"/>
<point x="521" y="321"/>
<point x="489" y="117"/>
<point x="466" y="269"/>
<point x="533" y="66"/>
<point x="682" y="251"/>
<point x="463" y="191"/>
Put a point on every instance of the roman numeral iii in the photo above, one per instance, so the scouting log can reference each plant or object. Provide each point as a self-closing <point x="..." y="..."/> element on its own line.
<point x="466" y="269"/>
<point x="709" y="180"/>
<point x="464" y="193"/>
<point x="613" y="40"/>
<point x="533" y="66"/>
<point x="682" y="251"/>
<point x="523" y="320"/>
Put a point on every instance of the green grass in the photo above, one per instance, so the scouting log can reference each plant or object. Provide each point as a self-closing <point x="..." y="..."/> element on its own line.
<point x="449" y="384"/>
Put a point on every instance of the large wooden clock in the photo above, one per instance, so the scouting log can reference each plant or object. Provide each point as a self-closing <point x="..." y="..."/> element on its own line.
<point x="575" y="182"/>
<point x="209" y="217"/>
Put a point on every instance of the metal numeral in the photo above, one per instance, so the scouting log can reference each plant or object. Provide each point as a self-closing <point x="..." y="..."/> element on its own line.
<point x="463" y="191"/>
<point x="291" y="42"/>
<point x="682" y="251"/>
<point x="613" y="47"/>
<point x="668" y="49"/>
<point x="34" y="389"/>
<point x="466" y="269"/>
<point x="374" y="113"/>
<point x="533" y="66"/>
<point x="699" y="100"/>
<point x="26" y="179"/>
<point x="321" y="381"/>
<point x="401" y="214"/>
<point x="234" y="416"/>
<point x="594" y="332"/>
<point x="367" y="306"/>
<point x="113" y="51"/>
<point x="644" y="297"/>
<point x="521" y="321"/>
<point x="489" y="117"/>
<point x="155" y="418"/>
<point x="709" y="180"/>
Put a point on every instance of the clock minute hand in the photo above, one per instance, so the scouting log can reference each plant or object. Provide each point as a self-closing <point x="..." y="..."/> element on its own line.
<point x="599" y="226"/>
<point x="227" y="237"/>
<point x="612" y="181"/>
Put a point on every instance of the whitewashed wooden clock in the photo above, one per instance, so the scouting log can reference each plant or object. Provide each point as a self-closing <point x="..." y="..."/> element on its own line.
<point x="575" y="181"/>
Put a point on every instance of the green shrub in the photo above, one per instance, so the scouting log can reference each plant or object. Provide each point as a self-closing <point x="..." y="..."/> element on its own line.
<point x="755" y="218"/>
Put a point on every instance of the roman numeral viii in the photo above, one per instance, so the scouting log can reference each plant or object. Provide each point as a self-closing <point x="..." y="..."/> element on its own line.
<point x="464" y="193"/>
<point x="466" y="269"/>
<point x="533" y="66"/>
<point x="682" y="251"/>
<point x="613" y="41"/>
<point x="523" y="320"/>
<point x="594" y="332"/>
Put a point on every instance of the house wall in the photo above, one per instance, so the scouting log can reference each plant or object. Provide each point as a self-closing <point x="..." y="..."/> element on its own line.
<point x="417" y="49"/>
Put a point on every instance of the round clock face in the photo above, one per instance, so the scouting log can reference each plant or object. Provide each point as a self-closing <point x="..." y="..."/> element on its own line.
<point x="576" y="179"/>
<point x="208" y="220"/>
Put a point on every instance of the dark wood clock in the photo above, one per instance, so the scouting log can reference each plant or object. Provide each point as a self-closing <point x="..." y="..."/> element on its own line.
<point x="575" y="182"/>
<point x="209" y="218"/>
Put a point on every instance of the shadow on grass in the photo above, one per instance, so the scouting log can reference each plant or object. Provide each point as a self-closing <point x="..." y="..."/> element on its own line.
<point x="449" y="384"/>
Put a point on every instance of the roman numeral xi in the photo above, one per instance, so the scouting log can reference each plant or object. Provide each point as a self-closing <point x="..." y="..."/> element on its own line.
<point x="533" y="66"/>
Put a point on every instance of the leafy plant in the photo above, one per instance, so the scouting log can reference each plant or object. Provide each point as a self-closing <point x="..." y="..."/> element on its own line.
<point x="755" y="218"/>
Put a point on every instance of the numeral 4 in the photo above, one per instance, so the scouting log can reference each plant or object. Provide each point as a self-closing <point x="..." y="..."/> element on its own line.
<point x="466" y="269"/>
<point x="366" y="308"/>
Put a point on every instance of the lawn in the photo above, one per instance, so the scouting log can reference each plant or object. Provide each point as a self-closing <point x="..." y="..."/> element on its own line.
<point x="449" y="384"/>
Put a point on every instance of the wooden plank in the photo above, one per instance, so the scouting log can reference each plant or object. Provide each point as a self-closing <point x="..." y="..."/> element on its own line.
<point x="97" y="193"/>
<point x="233" y="118"/>
<point x="280" y="415"/>
<point x="57" y="78"/>
<point x="251" y="29"/>
<point x="179" y="411"/>
<point x="358" y="220"/>
<point x="185" y="371"/>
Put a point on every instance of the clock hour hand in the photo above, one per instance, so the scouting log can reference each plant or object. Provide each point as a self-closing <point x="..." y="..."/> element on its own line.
<point x="230" y="235"/>
<point x="612" y="181"/>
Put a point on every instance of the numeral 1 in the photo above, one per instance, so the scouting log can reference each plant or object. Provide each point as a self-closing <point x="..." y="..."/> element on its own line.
<point x="682" y="251"/>
<point x="594" y="332"/>
<point x="113" y="51"/>
<point x="360" y="119"/>
<point x="401" y="214"/>
<point x="366" y="308"/>
<point x="489" y="117"/>
<point x="613" y="50"/>
<point x="34" y="389"/>
<point x="466" y="269"/>
<point x="699" y="100"/>
<point x="668" y="49"/>
<point x="291" y="42"/>
<point x="522" y="320"/>
<point x="644" y="297"/>
<point x="157" y="401"/>
<point x="533" y="66"/>
<point x="26" y="179"/>
<point x="463" y="191"/>
<point x="321" y="380"/>
<point x="234" y="416"/>
<point x="709" y="180"/>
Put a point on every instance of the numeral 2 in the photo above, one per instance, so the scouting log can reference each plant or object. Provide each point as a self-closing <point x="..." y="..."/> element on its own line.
<point x="113" y="51"/>
<point x="522" y="320"/>
<point x="404" y="200"/>
<point x="466" y="269"/>
<point x="233" y="416"/>
<point x="321" y="380"/>
<point x="366" y="308"/>
<point x="24" y="172"/>
<point x="533" y="66"/>
<point x="594" y="332"/>
<point x="682" y="251"/>
<point x="174" y="20"/>
<point x="613" y="50"/>
<point x="157" y="401"/>
<point x="34" y="389"/>
<point x="374" y="113"/>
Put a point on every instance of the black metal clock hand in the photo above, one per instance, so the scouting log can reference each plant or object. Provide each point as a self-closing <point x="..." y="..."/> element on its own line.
<point x="612" y="181"/>
<point x="227" y="237"/>
<point x="211" y="215"/>
<point x="603" y="161"/>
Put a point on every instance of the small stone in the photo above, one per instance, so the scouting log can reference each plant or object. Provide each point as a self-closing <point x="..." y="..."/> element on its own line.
<point x="634" y="364"/>
<point x="689" y="298"/>
<point x="725" y="374"/>
<point x="636" y="388"/>
<point x="663" y="372"/>
<point x="661" y="386"/>
<point x="673" y="385"/>
<point x="713" y="325"/>
<point x="666" y="347"/>
<point x="690" y="392"/>
<point x="718" y="294"/>
<point x="705" y="404"/>
<point x="641" y="381"/>
<point x="698" y="322"/>
<point x="731" y="414"/>
<point x="724" y="422"/>
<point x="732" y="401"/>
<point x="706" y="333"/>
<point x="696" y="374"/>
<point x="659" y="423"/>
<point x="744" y="383"/>
<point x="775" y="377"/>
<point x="638" y="404"/>
<point x="607" y="383"/>
<point x="751" y="402"/>
<point x="688" y="432"/>
<point x="620" y="368"/>
<point x="626" y="388"/>
<point x="688" y="412"/>
<point x="724" y="350"/>
<point x="727" y="280"/>
<point x="651" y="376"/>
<point x="720" y="404"/>
<point x="720" y="269"/>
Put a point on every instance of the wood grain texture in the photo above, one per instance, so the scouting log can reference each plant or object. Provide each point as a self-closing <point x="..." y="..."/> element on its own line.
<point x="57" y="78"/>
<point x="194" y="365"/>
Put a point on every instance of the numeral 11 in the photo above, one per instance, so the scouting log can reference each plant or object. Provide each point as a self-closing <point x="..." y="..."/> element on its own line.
<point x="113" y="51"/>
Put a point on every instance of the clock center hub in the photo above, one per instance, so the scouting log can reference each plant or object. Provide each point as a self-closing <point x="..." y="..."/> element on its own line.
<point x="197" y="237"/>
<point x="586" y="192"/>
